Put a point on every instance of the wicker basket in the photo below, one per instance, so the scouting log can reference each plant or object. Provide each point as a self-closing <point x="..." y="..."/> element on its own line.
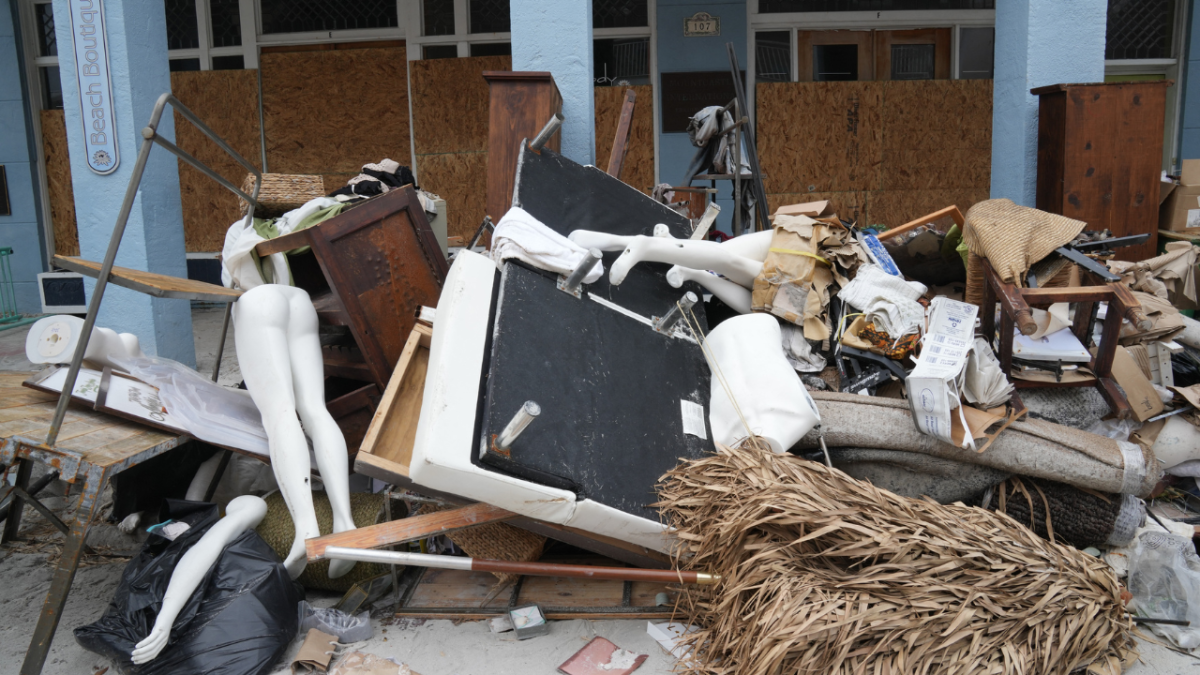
<point x="282" y="192"/>
<point x="496" y="541"/>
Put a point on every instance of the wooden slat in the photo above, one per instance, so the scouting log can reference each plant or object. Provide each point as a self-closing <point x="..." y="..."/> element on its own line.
<point x="616" y="159"/>
<point x="393" y="428"/>
<point x="157" y="285"/>
<point x="409" y="529"/>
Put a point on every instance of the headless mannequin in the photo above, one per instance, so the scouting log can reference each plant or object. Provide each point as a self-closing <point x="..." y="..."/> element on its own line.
<point x="275" y="330"/>
<point x="243" y="513"/>
<point x="53" y="340"/>
<point x="739" y="259"/>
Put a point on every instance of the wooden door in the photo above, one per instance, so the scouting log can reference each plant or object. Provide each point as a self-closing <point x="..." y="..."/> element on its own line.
<point x="912" y="54"/>
<point x="813" y="45"/>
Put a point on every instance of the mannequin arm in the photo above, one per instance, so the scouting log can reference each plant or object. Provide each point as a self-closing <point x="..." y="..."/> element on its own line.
<point x="242" y="513"/>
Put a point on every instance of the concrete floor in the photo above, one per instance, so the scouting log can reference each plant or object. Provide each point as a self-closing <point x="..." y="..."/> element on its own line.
<point x="428" y="647"/>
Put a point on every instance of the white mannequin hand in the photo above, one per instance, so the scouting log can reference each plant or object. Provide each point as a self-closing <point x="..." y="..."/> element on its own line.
<point x="148" y="649"/>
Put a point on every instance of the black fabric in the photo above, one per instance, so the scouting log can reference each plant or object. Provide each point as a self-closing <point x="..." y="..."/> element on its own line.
<point x="369" y="188"/>
<point x="609" y="387"/>
<point x="144" y="486"/>
<point x="240" y="620"/>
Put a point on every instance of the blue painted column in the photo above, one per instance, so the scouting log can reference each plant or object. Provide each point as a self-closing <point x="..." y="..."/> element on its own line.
<point x="1038" y="42"/>
<point x="137" y="53"/>
<point x="20" y="230"/>
<point x="1189" y="143"/>
<point x="557" y="37"/>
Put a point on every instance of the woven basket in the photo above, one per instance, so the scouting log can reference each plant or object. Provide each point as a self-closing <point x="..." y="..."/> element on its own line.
<point x="496" y="541"/>
<point x="975" y="280"/>
<point x="281" y="192"/>
<point x="278" y="531"/>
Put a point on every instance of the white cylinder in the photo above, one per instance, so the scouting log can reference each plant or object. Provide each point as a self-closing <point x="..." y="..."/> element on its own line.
<point x="748" y="351"/>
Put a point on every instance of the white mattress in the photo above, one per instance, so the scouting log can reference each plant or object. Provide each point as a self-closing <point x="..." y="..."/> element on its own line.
<point x="445" y="433"/>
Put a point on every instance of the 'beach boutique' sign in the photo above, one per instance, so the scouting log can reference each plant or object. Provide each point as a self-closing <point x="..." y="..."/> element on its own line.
<point x="95" y="85"/>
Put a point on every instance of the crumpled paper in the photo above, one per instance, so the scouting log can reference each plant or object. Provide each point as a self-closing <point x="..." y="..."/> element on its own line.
<point x="1172" y="272"/>
<point x="807" y="257"/>
<point x="888" y="301"/>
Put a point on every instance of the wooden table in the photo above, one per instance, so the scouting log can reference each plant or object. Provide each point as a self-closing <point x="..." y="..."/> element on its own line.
<point x="92" y="447"/>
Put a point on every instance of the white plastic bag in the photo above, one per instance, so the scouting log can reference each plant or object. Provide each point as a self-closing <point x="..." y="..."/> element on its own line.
<point x="1164" y="577"/>
<point x="209" y="411"/>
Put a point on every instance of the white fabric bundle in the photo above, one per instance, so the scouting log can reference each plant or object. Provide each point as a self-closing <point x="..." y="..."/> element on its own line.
<point x="888" y="301"/>
<point x="237" y="264"/>
<point x="521" y="236"/>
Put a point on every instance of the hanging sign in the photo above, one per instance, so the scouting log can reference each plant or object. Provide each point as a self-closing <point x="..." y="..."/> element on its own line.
<point x="701" y="24"/>
<point x="95" y="85"/>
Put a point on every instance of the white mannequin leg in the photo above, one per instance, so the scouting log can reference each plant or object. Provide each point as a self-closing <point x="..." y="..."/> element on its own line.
<point x="737" y="297"/>
<point x="601" y="240"/>
<point x="261" y="319"/>
<point x="329" y="445"/>
<point x="242" y="514"/>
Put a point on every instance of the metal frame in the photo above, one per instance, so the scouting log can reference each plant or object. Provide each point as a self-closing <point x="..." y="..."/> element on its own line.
<point x="150" y="137"/>
<point x="24" y="452"/>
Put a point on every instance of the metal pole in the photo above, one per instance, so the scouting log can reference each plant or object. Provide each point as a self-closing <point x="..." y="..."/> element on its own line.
<point x="517" y="424"/>
<point x="666" y="322"/>
<point x="221" y="344"/>
<point x="571" y="285"/>
<point x="737" y="173"/>
<point x="110" y="257"/>
<point x="546" y="132"/>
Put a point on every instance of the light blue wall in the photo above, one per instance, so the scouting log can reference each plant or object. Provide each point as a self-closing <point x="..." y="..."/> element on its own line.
<point x="1189" y="145"/>
<point x="20" y="231"/>
<point x="676" y="54"/>
<point x="1038" y="42"/>
<point x="557" y="36"/>
<point x="137" y="49"/>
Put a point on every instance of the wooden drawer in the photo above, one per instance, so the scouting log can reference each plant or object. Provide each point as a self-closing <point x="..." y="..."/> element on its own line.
<point x="387" y="448"/>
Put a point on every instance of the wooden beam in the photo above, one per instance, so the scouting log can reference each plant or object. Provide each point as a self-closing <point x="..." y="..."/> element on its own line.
<point x="616" y="158"/>
<point x="409" y="529"/>
<point x="951" y="211"/>
<point x="156" y="285"/>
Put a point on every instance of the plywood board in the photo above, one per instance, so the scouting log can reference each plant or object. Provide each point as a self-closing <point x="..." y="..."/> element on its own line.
<point x="850" y="206"/>
<point x="638" y="170"/>
<point x="58" y="176"/>
<point x="450" y="103"/>
<point x="896" y="207"/>
<point x="937" y="134"/>
<point x="460" y="179"/>
<point x="331" y="111"/>
<point x="226" y="101"/>
<point x="820" y="136"/>
<point x="881" y="152"/>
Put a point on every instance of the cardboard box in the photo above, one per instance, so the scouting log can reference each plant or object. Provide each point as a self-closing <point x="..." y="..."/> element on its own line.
<point x="810" y="209"/>
<point x="1181" y="207"/>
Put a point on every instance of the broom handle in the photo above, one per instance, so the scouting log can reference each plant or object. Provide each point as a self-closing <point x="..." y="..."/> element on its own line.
<point x="524" y="568"/>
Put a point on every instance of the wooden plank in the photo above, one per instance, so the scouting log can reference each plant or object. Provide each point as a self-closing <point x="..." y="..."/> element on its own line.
<point x="157" y="285"/>
<point x="393" y="429"/>
<point x="616" y="158"/>
<point x="409" y="529"/>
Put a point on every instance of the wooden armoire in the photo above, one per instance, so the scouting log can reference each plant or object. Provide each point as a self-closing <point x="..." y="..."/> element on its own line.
<point x="1100" y="156"/>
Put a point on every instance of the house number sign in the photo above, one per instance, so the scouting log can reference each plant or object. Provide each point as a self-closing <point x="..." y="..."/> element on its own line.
<point x="702" y="24"/>
<point x="95" y="85"/>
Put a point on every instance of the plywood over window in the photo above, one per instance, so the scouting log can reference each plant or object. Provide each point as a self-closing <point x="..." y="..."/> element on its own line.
<point x="883" y="152"/>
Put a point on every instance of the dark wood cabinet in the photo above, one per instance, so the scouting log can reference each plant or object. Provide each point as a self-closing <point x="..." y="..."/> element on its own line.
<point x="1100" y="156"/>
<point x="521" y="103"/>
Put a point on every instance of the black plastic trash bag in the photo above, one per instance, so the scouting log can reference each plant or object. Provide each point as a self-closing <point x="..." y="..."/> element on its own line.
<point x="239" y="621"/>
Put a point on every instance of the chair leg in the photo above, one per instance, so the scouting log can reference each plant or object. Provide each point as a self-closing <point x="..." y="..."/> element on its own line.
<point x="60" y="583"/>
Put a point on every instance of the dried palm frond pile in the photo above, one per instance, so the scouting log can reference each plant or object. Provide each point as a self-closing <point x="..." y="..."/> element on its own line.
<point x="822" y="573"/>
